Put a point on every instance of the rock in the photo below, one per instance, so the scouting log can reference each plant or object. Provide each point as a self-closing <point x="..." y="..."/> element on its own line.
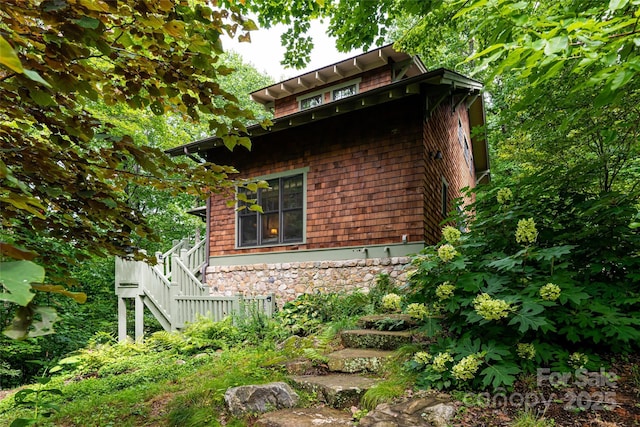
<point x="440" y="414"/>
<point x="306" y="417"/>
<point x="339" y="391"/>
<point x="431" y="411"/>
<point x="386" y="321"/>
<point x="260" y="398"/>
<point x="351" y="360"/>
<point x="367" y="338"/>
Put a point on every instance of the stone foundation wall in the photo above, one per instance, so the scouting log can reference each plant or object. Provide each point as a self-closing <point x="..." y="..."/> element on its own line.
<point x="289" y="280"/>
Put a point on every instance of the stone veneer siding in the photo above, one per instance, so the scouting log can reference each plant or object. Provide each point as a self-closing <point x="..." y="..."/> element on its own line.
<point x="290" y="279"/>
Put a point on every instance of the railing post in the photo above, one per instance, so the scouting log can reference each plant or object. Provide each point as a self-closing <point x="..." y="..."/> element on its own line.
<point x="174" y="311"/>
<point x="122" y="320"/>
<point x="160" y="259"/>
<point x="237" y="303"/>
<point x="184" y="257"/>
<point x="139" y="317"/>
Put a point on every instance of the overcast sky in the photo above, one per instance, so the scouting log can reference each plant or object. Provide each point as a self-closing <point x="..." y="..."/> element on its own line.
<point x="265" y="53"/>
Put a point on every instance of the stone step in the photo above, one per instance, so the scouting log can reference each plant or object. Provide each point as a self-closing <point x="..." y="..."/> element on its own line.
<point x="337" y="390"/>
<point x="305" y="417"/>
<point x="352" y="360"/>
<point x="387" y="322"/>
<point x="382" y="340"/>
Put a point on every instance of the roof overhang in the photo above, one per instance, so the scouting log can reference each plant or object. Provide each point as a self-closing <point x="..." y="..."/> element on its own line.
<point x="428" y="82"/>
<point x="411" y="66"/>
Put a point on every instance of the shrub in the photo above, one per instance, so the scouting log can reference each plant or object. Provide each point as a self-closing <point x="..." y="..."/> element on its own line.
<point x="535" y="280"/>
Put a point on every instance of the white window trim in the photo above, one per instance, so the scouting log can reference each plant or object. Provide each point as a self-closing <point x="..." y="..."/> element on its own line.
<point x="328" y="89"/>
<point x="284" y="174"/>
<point x="345" y="84"/>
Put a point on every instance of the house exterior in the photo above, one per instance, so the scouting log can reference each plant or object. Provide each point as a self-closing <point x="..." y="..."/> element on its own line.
<point x="363" y="160"/>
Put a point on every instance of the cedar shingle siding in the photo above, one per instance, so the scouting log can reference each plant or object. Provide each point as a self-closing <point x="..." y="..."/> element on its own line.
<point x="370" y="178"/>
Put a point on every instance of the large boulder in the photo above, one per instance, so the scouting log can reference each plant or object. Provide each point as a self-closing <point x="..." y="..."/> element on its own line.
<point x="260" y="398"/>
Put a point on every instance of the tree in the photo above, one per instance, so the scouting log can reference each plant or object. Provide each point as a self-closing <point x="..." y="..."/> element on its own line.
<point x="563" y="75"/>
<point x="63" y="169"/>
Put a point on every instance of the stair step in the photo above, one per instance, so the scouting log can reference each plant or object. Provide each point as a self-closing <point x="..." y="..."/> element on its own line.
<point x="338" y="390"/>
<point x="352" y="360"/>
<point x="369" y="338"/>
<point x="305" y="417"/>
<point x="387" y="322"/>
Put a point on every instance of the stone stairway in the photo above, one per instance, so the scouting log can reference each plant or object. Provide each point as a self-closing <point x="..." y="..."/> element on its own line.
<point x="352" y="371"/>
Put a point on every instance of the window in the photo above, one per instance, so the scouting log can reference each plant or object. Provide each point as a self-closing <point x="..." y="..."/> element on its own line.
<point x="330" y="93"/>
<point x="464" y="143"/>
<point x="445" y="197"/>
<point x="282" y="219"/>
<point x="344" y="92"/>
<point x="310" y="102"/>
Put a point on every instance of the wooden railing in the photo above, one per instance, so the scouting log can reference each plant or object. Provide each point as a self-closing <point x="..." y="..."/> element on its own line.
<point x="174" y="294"/>
<point x="218" y="307"/>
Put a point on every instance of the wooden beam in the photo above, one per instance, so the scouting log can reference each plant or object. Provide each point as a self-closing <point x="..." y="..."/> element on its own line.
<point x="285" y="89"/>
<point x="303" y="83"/>
<point x="357" y="65"/>
<point x="337" y="71"/>
<point x="382" y="58"/>
<point x="320" y="78"/>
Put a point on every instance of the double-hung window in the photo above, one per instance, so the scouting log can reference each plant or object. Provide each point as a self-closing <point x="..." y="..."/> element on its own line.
<point x="282" y="218"/>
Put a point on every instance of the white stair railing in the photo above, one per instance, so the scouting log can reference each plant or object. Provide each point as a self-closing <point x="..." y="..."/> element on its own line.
<point x="173" y="293"/>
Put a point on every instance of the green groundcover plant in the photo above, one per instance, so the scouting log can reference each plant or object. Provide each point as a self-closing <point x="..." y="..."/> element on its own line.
<point x="534" y="281"/>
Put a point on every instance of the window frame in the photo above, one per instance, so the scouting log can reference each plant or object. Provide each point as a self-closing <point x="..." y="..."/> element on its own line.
<point x="466" y="147"/>
<point x="444" y="198"/>
<point x="259" y="242"/>
<point x="328" y="89"/>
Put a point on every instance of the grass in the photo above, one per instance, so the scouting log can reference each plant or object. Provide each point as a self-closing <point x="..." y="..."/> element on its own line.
<point x="125" y="391"/>
<point x="529" y="419"/>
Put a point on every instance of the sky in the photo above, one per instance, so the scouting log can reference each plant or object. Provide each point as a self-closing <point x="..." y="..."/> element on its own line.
<point x="265" y="53"/>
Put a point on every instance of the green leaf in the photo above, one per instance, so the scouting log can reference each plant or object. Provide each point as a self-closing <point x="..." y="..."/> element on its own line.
<point x="528" y="317"/>
<point x="32" y="321"/>
<point x="554" y="252"/>
<point x="88" y="22"/>
<point x="617" y="4"/>
<point x="41" y="98"/>
<point x="507" y="263"/>
<point x="503" y="374"/>
<point x="33" y="75"/>
<point x="21" y="422"/>
<point x="16" y="277"/>
<point x="9" y="57"/>
<point x="556" y="44"/>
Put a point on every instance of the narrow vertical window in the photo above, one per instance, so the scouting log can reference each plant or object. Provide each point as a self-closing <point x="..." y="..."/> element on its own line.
<point x="445" y="198"/>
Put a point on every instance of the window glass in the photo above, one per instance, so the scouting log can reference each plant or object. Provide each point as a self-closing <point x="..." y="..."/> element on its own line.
<point x="270" y="199"/>
<point x="344" y="92"/>
<point x="282" y="217"/>
<point x="248" y="229"/>
<point x="292" y="226"/>
<point x="312" y="101"/>
<point x="292" y="188"/>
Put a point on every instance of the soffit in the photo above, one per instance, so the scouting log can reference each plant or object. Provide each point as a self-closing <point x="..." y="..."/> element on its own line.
<point x="338" y="71"/>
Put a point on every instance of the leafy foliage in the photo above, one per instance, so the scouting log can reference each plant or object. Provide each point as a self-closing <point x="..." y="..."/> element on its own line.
<point x="571" y="288"/>
<point x="305" y="314"/>
<point x="67" y="168"/>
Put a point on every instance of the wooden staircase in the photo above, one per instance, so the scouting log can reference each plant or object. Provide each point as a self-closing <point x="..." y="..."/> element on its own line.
<point x="172" y="290"/>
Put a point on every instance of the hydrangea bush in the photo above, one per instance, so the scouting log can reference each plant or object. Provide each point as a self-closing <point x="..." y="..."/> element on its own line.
<point x="523" y="289"/>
